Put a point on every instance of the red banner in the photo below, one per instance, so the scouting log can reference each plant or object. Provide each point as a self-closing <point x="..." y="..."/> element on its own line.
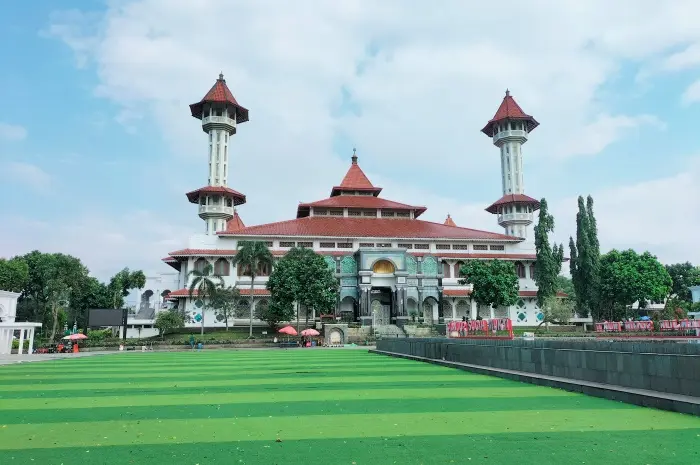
<point x="642" y="326"/>
<point x="483" y="327"/>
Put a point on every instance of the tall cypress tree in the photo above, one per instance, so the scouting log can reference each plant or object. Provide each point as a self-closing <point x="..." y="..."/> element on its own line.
<point x="548" y="263"/>
<point x="594" y="260"/>
<point x="585" y="260"/>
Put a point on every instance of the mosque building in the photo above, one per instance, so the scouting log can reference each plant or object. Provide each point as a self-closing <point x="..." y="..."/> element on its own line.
<point x="391" y="265"/>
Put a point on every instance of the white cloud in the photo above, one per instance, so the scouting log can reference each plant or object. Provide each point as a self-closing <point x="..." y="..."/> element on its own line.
<point x="692" y="93"/>
<point x="29" y="175"/>
<point x="419" y="85"/>
<point x="12" y="132"/>
<point x="688" y="58"/>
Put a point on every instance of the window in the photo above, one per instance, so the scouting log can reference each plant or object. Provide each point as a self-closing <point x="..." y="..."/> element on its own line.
<point x="481" y="247"/>
<point x="460" y="246"/>
<point x="286" y="244"/>
<point x="442" y="246"/>
<point x="320" y="212"/>
<point x="458" y="268"/>
<point x="372" y="213"/>
<point x="366" y="244"/>
<point x="268" y="243"/>
<point x="307" y="245"/>
<point x="403" y="215"/>
<point x="446" y="270"/>
<point x="497" y="247"/>
<point x="222" y="267"/>
<point x="421" y="246"/>
<point x="327" y="245"/>
<point x="345" y="245"/>
<point x="200" y="263"/>
<point x="384" y="245"/>
<point x="336" y="212"/>
<point x="520" y="269"/>
<point x="405" y="246"/>
<point x="532" y="271"/>
<point x="354" y="213"/>
<point x="387" y="214"/>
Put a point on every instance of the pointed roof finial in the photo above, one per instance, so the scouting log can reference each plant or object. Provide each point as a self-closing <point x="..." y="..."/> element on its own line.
<point x="507" y="93"/>
<point x="354" y="156"/>
<point x="221" y="76"/>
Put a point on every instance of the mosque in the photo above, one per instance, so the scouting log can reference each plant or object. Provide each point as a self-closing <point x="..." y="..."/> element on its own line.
<point x="391" y="265"/>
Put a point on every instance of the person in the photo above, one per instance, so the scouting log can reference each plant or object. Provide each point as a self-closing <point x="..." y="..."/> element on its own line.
<point x="192" y="341"/>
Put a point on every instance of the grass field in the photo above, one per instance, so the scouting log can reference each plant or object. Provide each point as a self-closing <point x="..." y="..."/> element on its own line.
<point x="314" y="407"/>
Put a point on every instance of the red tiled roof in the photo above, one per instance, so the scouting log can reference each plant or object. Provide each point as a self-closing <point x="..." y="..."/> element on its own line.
<point x="510" y="109"/>
<point x="246" y="291"/>
<point x="534" y="294"/>
<point x="355" y="180"/>
<point x="238" y="198"/>
<point x="357" y="201"/>
<point x="513" y="199"/>
<point x="320" y="226"/>
<point x="456" y="292"/>
<point x="449" y="221"/>
<point x="235" y="223"/>
<point x="476" y="256"/>
<point x="220" y="93"/>
<point x="181" y="293"/>
<point x="214" y="252"/>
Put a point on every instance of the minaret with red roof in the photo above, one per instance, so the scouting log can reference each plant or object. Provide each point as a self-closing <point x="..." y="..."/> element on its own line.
<point x="509" y="129"/>
<point x="220" y="114"/>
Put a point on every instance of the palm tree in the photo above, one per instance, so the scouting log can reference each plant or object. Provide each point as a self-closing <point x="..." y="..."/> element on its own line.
<point x="252" y="256"/>
<point x="204" y="285"/>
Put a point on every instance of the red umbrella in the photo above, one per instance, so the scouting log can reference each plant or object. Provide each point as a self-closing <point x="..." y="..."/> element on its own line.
<point x="76" y="336"/>
<point x="289" y="330"/>
<point x="310" y="332"/>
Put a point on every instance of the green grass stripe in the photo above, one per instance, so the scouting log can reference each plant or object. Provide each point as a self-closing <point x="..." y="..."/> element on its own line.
<point x="200" y="398"/>
<point x="672" y="447"/>
<point x="105" y="433"/>
<point x="306" y="407"/>
<point x="262" y="390"/>
<point x="185" y="383"/>
<point x="207" y="375"/>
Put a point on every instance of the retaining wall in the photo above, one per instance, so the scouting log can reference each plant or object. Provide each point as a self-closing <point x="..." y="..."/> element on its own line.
<point x="658" y="366"/>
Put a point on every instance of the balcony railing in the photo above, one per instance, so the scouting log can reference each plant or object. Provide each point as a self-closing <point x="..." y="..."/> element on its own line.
<point x="514" y="216"/>
<point x="218" y="120"/>
<point x="516" y="133"/>
<point x="224" y="210"/>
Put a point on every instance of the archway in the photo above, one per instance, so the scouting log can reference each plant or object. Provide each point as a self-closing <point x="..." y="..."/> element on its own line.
<point x="383" y="267"/>
<point x="412" y="308"/>
<point x="430" y="310"/>
<point x="335" y="338"/>
<point x="348" y="309"/>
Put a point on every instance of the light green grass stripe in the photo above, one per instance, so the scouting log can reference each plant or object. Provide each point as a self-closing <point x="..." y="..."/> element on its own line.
<point x="189" y="383"/>
<point x="276" y="396"/>
<point x="233" y="371"/>
<point x="91" y="434"/>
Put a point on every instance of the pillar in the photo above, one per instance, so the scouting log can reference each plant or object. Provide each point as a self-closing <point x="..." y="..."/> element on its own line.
<point x="21" y="342"/>
<point x="454" y="310"/>
<point x="31" y="341"/>
<point x="473" y="311"/>
<point x="491" y="313"/>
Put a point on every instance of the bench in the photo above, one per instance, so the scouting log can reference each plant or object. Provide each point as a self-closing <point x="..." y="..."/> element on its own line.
<point x="288" y="344"/>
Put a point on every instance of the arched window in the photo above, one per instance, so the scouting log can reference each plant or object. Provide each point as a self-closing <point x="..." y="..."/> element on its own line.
<point x="199" y="264"/>
<point x="458" y="270"/>
<point x="383" y="267"/>
<point x="520" y="269"/>
<point x="222" y="267"/>
<point x="446" y="270"/>
<point x="264" y="269"/>
<point x="532" y="270"/>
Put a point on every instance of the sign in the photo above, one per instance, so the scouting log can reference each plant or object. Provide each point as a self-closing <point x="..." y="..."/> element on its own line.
<point x="483" y="327"/>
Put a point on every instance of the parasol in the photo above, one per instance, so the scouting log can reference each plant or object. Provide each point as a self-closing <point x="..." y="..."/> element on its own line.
<point x="75" y="337"/>
<point x="289" y="330"/>
<point x="310" y="332"/>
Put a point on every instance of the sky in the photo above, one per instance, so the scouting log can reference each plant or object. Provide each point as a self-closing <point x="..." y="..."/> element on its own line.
<point x="98" y="148"/>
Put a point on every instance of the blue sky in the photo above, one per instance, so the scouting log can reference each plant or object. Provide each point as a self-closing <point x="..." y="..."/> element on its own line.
<point x="97" y="147"/>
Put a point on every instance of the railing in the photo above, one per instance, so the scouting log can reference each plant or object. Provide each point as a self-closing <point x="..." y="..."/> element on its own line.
<point x="218" y="120"/>
<point x="514" y="216"/>
<point x="519" y="133"/>
<point x="216" y="209"/>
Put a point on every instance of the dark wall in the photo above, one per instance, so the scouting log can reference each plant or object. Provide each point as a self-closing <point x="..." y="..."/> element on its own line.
<point x="665" y="367"/>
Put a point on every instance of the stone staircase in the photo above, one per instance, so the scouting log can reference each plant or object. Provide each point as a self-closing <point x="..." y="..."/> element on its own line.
<point x="389" y="332"/>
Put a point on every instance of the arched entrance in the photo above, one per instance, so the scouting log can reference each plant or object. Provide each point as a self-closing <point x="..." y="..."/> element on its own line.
<point x="430" y="310"/>
<point x="348" y="309"/>
<point x="381" y="306"/>
<point x="335" y="338"/>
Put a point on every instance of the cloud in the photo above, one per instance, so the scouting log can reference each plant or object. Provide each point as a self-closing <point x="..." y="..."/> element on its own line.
<point x="692" y="93"/>
<point x="605" y="130"/>
<point x="12" y="132"/>
<point x="29" y="175"/>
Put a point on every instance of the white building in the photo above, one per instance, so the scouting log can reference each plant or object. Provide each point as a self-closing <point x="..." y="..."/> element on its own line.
<point x="389" y="263"/>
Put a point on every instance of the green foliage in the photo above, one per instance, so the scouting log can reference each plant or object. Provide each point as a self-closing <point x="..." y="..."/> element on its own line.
<point x="585" y="259"/>
<point x="683" y="276"/>
<point x="252" y="256"/>
<point x="302" y="276"/>
<point x="224" y="301"/>
<point x="627" y="277"/>
<point x="549" y="258"/>
<point x="275" y="312"/>
<point x="88" y="293"/>
<point x="676" y="309"/>
<point x="203" y="285"/>
<point x="565" y="285"/>
<point x="557" y="311"/>
<point x="169" y="321"/>
<point x="14" y="274"/>
<point x="122" y="282"/>
<point x="495" y="282"/>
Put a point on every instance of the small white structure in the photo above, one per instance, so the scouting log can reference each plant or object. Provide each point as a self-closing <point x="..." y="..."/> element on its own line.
<point x="695" y="293"/>
<point x="8" y="325"/>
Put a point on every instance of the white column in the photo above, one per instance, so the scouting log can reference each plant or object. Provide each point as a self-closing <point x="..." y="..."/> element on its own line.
<point x="454" y="310"/>
<point x="491" y="314"/>
<point x="3" y="341"/>
<point x="473" y="310"/>
<point x="31" y="341"/>
<point x="21" y="342"/>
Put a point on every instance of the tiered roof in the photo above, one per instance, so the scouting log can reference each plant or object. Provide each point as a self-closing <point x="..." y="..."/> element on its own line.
<point x="355" y="180"/>
<point x="509" y="110"/>
<point x="238" y="198"/>
<point x="235" y="223"/>
<point x="220" y="93"/>
<point x="449" y="221"/>
<point x="513" y="199"/>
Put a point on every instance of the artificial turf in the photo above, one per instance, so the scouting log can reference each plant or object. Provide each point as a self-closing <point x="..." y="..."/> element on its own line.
<point x="314" y="406"/>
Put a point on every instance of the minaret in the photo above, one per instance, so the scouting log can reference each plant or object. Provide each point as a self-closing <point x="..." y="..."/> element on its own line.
<point x="220" y="114"/>
<point x="509" y="129"/>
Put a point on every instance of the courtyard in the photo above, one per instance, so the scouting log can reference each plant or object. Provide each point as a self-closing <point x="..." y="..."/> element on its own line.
<point x="313" y="406"/>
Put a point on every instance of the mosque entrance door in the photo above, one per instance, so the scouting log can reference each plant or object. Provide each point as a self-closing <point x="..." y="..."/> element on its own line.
<point x="381" y="306"/>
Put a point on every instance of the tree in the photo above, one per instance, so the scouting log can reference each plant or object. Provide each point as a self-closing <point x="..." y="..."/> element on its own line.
<point x="204" y="284"/>
<point x="556" y="311"/>
<point x="275" y="312"/>
<point x="169" y="321"/>
<point x="627" y="277"/>
<point x="683" y="276"/>
<point x="495" y="282"/>
<point x="566" y="286"/>
<point x="549" y="258"/>
<point x="224" y="301"/>
<point x="14" y="274"/>
<point x="122" y="282"/>
<point x="585" y="260"/>
<point x="88" y="293"/>
<point x="303" y="276"/>
<point x="252" y="256"/>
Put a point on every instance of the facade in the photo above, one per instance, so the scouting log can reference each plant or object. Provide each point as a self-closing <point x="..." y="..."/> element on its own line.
<point x="391" y="265"/>
<point x="10" y="329"/>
